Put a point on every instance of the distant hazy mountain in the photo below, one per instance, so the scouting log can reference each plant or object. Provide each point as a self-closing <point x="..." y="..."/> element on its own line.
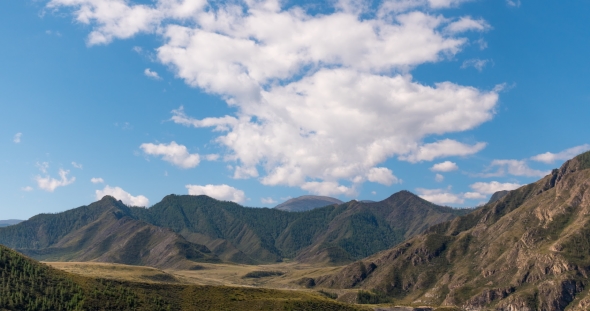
<point x="529" y="250"/>
<point x="306" y="203"/>
<point x="182" y="229"/>
<point x="9" y="222"/>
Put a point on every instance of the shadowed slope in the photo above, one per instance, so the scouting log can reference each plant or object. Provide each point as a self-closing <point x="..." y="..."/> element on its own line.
<point x="529" y="250"/>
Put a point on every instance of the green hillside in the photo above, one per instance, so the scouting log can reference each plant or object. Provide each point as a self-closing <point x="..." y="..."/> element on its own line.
<point x="530" y="250"/>
<point x="28" y="285"/>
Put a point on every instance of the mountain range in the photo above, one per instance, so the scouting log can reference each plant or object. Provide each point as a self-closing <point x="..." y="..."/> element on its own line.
<point x="182" y="229"/>
<point x="529" y="250"/>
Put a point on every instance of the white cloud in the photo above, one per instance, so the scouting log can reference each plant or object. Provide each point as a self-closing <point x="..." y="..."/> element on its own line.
<point x="439" y="196"/>
<point x="173" y="153"/>
<point x="466" y="23"/>
<point x="567" y="154"/>
<point x="77" y="165"/>
<point x="513" y="3"/>
<point x="50" y="184"/>
<point x="492" y="187"/>
<point x="446" y="166"/>
<point x="474" y="195"/>
<point x="382" y="175"/>
<point x="151" y="74"/>
<point x="219" y="192"/>
<point x="307" y="103"/>
<point x="268" y="200"/>
<point x="513" y="167"/>
<point x="96" y="180"/>
<point x="374" y="192"/>
<point x="122" y="195"/>
<point x="478" y="64"/>
<point x="443" y="148"/>
<point x="328" y="188"/>
<point x="439" y="178"/>
<point x="17" y="138"/>
<point x="27" y="189"/>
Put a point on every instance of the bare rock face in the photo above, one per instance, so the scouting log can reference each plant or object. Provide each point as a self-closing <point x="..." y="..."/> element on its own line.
<point x="529" y="250"/>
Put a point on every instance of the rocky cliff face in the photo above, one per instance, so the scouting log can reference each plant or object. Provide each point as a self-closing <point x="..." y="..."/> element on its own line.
<point x="530" y="250"/>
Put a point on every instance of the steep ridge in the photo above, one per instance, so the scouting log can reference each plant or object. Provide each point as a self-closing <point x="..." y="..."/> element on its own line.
<point x="27" y="285"/>
<point x="181" y="228"/>
<point x="530" y="250"/>
<point x="104" y="231"/>
<point x="306" y="203"/>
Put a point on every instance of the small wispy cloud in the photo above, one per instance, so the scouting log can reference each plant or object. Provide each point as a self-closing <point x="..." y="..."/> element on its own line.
<point x="43" y="166"/>
<point x="151" y="74"/>
<point x="478" y="64"/>
<point x="53" y="33"/>
<point x="77" y="165"/>
<point x="50" y="184"/>
<point x="17" y="138"/>
<point x="96" y="180"/>
<point x="27" y="189"/>
<point x="439" y="178"/>
<point x="268" y="200"/>
<point x="513" y="3"/>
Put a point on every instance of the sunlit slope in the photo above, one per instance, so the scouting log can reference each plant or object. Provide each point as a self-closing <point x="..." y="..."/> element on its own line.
<point x="529" y="250"/>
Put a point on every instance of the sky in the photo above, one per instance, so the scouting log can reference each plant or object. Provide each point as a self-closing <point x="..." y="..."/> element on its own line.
<point x="259" y="101"/>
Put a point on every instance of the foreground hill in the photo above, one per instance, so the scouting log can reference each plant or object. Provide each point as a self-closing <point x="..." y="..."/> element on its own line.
<point x="306" y="203"/>
<point x="181" y="229"/>
<point x="530" y="250"/>
<point x="27" y="285"/>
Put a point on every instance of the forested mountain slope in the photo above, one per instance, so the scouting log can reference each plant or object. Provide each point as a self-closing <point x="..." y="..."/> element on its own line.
<point x="530" y="250"/>
<point x="199" y="228"/>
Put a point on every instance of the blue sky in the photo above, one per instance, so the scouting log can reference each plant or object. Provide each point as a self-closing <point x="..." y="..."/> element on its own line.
<point x="259" y="101"/>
